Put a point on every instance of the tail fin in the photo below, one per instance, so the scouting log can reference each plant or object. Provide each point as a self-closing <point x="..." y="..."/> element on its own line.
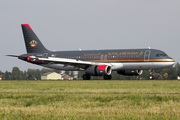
<point x="32" y="42"/>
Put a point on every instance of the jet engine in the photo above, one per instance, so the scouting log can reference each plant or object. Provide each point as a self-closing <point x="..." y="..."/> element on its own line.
<point x="99" y="70"/>
<point x="130" y="72"/>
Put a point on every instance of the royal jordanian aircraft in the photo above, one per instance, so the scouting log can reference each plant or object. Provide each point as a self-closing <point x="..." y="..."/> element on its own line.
<point x="94" y="62"/>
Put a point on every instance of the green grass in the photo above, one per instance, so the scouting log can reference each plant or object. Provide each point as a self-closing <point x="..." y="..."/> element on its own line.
<point x="129" y="100"/>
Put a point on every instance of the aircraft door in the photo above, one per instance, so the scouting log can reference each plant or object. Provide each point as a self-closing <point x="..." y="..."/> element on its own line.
<point x="147" y="55"/>
<point x="103" y="57"/>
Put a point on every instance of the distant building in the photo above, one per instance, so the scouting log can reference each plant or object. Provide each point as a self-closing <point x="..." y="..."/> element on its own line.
<point x="51" y="76"/>
<point x="75" y="76"/>
<point x="66" y="77"/>
<point x="1" y="77"/>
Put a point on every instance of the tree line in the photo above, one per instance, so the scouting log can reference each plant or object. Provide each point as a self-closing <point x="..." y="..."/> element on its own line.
<point x="169" y="73"/>
<point x="30" y="74"/>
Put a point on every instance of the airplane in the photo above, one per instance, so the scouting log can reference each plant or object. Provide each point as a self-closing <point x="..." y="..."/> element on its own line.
<point x="94" y="62"/>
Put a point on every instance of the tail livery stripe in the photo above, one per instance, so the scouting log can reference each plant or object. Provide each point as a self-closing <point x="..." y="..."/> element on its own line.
<point x="28" y="26"/>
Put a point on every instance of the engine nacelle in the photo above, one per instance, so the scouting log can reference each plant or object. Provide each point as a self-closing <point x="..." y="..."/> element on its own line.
<point x="99" y="70"/>
<point x="130" y="72"/>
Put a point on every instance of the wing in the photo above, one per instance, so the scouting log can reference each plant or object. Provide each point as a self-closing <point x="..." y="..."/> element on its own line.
<point x="64" y="61"/>
<point x="71" y="62"/>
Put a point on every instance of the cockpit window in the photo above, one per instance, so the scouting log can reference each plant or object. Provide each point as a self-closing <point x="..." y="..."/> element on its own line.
<point x="161" y="55"/>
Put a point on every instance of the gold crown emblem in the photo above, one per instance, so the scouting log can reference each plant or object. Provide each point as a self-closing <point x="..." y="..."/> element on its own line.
<point x="33" y="43"/>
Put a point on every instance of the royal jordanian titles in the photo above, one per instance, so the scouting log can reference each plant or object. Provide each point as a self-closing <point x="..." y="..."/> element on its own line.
<point x="94" y="62"/>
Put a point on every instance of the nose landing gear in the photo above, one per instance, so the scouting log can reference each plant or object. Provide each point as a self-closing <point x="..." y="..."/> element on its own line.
<point x="151" y="77"/>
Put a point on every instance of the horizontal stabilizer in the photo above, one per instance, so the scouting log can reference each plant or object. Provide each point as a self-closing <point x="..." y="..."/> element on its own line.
<point x="13" y="55"/>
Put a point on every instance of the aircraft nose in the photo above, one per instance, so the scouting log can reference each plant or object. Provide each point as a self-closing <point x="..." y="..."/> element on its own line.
<point x="173" y="61"/>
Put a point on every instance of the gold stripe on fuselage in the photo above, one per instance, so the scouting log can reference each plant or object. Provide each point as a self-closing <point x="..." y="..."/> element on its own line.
<point x="139" y="60"/>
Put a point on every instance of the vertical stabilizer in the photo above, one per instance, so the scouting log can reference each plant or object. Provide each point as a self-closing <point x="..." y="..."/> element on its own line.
<point x="32" y="42"/>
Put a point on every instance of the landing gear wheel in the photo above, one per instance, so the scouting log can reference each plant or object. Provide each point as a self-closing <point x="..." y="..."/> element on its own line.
<point x="86" y="77"/>
<point x="151" y="76"/>
<point x="107" y="77"/>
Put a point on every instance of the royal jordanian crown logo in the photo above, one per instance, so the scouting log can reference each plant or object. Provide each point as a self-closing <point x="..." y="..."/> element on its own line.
<point x="33" y="43"/>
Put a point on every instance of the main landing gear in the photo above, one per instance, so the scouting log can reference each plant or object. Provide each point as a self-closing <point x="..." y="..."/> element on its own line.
<point x="107" y="77"/>
<point x="88" y="77"/>
<point x="151" y="75"/>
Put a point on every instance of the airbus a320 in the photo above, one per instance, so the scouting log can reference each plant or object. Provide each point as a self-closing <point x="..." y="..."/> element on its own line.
<point x="93" y="62"/>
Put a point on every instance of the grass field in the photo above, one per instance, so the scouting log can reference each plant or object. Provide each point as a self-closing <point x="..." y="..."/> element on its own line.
<point x="91" y="100"/>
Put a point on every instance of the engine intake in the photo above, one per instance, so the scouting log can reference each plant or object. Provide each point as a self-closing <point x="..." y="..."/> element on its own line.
<point x="130" y="72"/>
<point x="99" y="70"/>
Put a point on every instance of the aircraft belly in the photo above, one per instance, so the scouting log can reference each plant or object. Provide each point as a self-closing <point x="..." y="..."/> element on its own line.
<point x="117" y="66"/>
<point x="146" y="65"/>
<point x="63" y="67"/>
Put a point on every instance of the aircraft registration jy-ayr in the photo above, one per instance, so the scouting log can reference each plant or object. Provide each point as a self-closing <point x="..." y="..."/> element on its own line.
<point x="93" y="62"/>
